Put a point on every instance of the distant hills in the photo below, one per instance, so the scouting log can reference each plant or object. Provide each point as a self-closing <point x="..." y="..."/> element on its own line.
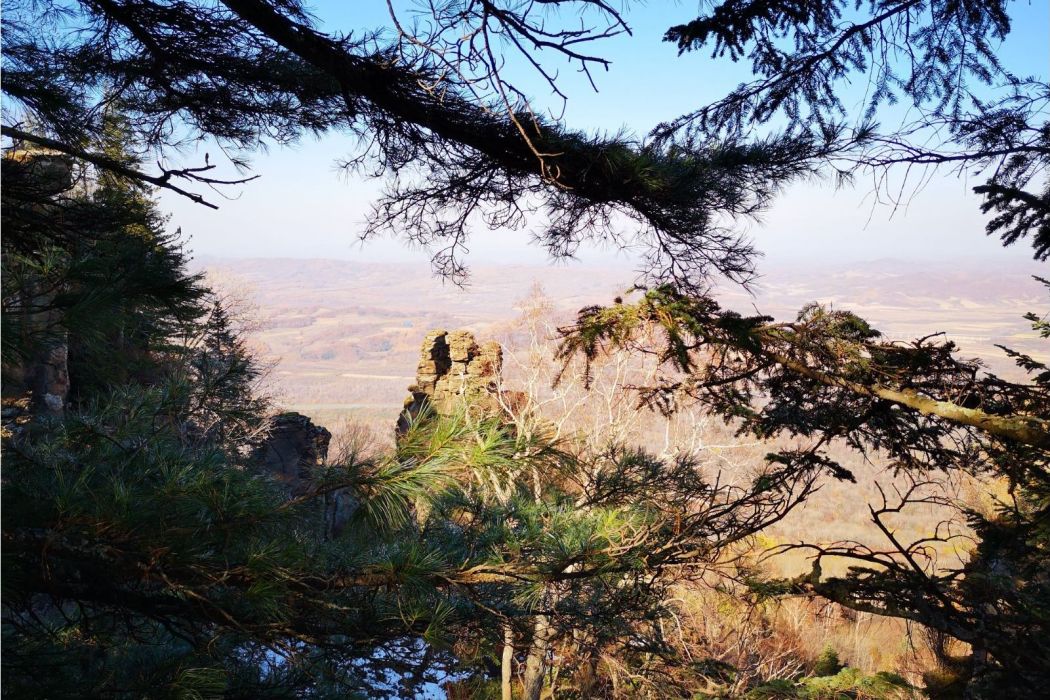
<point x="344" y="335"/>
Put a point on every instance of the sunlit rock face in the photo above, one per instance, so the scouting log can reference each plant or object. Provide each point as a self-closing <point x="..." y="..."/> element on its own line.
<point x="454" y="372"/>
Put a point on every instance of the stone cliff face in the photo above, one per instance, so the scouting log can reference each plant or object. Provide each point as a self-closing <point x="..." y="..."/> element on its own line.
<point x="453" y="372"/>
<point x="293" y="450"/>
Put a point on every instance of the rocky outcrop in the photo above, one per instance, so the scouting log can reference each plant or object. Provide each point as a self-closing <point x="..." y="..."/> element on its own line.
<point x="42" y="376"/>
<point x="453" y="372"/>
<point x="15" y="416"/>
<point x="293" y="450"/>
<point x="47" y="172"/>
<point x="50" y="378"/>
<point x="43" y="372"/>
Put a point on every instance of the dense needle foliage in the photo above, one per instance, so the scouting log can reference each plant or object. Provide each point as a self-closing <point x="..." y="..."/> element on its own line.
<point x="828" y="379"/>
<point x="145" y="553"/>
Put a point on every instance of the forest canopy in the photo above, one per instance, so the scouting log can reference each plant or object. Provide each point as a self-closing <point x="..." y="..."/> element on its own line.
<point x="147" y="553"/>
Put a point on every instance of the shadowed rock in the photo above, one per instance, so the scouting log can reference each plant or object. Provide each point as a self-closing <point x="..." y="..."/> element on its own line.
<point x="294" y="450"/>
<point x="44" y="371"/>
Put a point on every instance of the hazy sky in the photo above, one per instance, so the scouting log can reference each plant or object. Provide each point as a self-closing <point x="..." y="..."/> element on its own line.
<point x="304" y="206"/>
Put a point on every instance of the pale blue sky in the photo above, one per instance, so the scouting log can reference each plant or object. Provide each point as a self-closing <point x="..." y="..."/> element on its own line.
<point x="303" y="206"/>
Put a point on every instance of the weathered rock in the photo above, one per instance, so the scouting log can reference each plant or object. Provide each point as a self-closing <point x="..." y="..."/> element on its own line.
<point x="50" y="380"/>
<point x="434" y="362"/>
<point x="15" y="416"/>
<point x="43" y="373"/>
<point x="454" y="372"/>
<point x="293" y="450"/>
<point x="461" y="347"/>
<point x="50" y="171"/>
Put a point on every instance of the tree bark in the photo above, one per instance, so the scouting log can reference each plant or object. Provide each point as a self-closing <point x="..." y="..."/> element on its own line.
<point x="1029" y="430"/>
<point x="536" y="663"/>
<point x="508" y="658"/>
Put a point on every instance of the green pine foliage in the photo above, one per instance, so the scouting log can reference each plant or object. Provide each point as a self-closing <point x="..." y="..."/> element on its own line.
<point x="89" y="255"/>
<point x="138" y="562"/>
<point x="939" y="57"/>
<point x="145" y="554"/>
<point x="828" y="379"/>
<point x="828" y="664"/>
<point x="845" y="684"/>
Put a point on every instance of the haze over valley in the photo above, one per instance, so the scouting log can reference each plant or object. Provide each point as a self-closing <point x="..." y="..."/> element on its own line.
<point x="344" y="336"/>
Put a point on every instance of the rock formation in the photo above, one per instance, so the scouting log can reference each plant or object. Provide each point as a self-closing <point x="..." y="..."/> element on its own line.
<point x="454" y="371"/>
<point x="50" y="378"/>
<point x="44" y="372"/>
<point x="293" y="450"/>
<point x="42" y="376"/>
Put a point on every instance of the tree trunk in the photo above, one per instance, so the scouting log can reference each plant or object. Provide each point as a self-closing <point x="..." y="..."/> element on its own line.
<point x="508" y="658"/>
<point x="536" y="663"/>
<point x="586" y="676"/>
